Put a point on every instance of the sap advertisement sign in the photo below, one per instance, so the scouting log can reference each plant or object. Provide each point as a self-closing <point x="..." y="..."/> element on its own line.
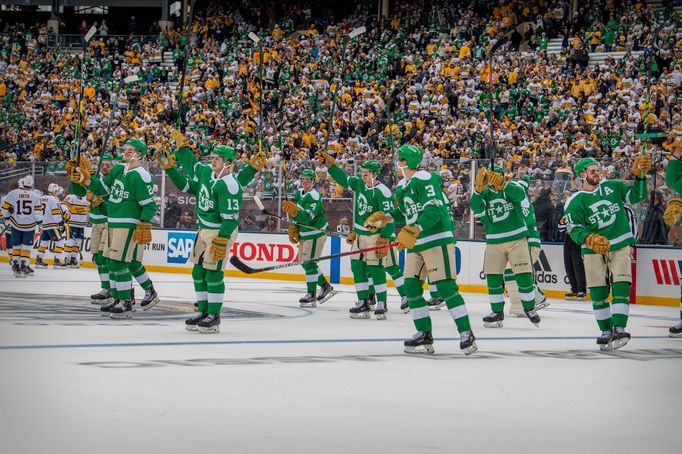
<point x="179" y="246"/>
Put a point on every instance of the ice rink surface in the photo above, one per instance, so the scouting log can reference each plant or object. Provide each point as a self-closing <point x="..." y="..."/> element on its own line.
<point x="281" y="379"/>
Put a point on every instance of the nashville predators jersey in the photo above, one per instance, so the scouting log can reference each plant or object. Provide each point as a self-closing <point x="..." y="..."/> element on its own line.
<point x="52" y="214"/>
<point x="77" y="208"/>
<point x="23" y="210"/>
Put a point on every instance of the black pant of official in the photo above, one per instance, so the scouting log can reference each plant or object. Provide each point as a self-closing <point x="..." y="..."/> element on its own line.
<point x="575" y="269"/>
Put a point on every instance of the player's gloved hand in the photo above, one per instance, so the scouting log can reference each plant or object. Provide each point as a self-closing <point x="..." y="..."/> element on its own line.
<point x="480" y="182"/>
<point x="257" y="161"/>
<point x="496" y="180"/>
<point x="294" y="234"/>
<point x="325" y="159"/>
<point x="143" y="233"/>
<point x="165" y="159"/>
<point x="375" y="221"/>
<point x="641" y="165"/>
<point x="179" y="139"/>
<point x="89" y="196"/>
<point x="350" y="239"/>
<point x="381" y="253"/>
<point x="673" y="211"/>
<point x="98" y="201"/>
<point x="598" y="243"/>
<point x="80" y="176"/>
<point x="407" y="237"/>
<point x="70" y="167"/>
<point x="219" y="248"/>
<point x="290" y="208"/>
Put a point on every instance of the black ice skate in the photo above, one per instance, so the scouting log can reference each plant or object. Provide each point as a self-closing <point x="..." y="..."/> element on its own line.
<point x="209" y="324"/>
<point x="59" y="265"/>
<point x="361" y="310"/>
<point x="16" y="270"/>
<point x="675" y="331"/>
<point x="570" y="296"/>
<point x="308" y="300"/>
<point x="436" y="303"/>
<point x="493" y="320"/>
<point x="105" y="309"/>
<point x="101" y="297"/>
<point x="467" y="342"/>
<point x="74" y="263"/>
<point x="191" y="323"/>
<point x="580" y="296"/>
<point x="150" y="299"/>
<point x="40" y="264"/>
<point x="543" y="303"/>
<point x="23" y="271"/>
<point x="533" y="317"/>
<point x="29" y="271"/>
<point x="620" y="337"/>
<point x="381" y="310"/>
<point x="605" y="341"/>
<point x="371" y="298"/>
<point x="421" y="342"/>
<point x="123" y="310"/>
<point x="404" y="305"/>
<point x="326" y="292"/>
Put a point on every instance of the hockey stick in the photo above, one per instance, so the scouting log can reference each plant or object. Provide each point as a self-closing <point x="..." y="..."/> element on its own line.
<point x="183" y="70"/>
<point x="264" y="210"/>
<point x="256" y="40"/>
<point x="103" y="150"/>
<point x="354" y="33"/>
<point x="76" y="143"/>
<point x="244" y="268"/>
<point x="493" y="149"/>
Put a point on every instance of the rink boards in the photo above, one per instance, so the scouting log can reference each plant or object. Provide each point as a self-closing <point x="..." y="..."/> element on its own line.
<point x="657" y="271"/>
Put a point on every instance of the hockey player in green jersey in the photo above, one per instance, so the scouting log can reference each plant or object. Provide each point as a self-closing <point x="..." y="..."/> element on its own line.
<point x="219" y="198"/>
<point x="597" y="220"/>
<point x="130" y="209"/>
<point x="535" y="247"/>
<point x="430" y="244"/>
<point x="498" y="204"/>
<point x="307" y="208"/>
<point x="372" y="226"/>
<point x="673" y="178"/>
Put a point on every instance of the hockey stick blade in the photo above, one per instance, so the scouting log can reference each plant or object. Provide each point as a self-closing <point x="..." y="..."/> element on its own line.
<point x="253" y="37"/>
<point x="357" y="32"/>
<point x="259" y="203"/>
<point x="246" y="269"/>
<point x="90" y="33"/>
<point x="500" y="42"/>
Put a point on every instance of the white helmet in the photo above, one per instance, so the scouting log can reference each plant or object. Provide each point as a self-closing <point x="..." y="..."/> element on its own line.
<point x="26" y="182"/>
<point x="60" y="192"/>
<point x="53" y="188"/>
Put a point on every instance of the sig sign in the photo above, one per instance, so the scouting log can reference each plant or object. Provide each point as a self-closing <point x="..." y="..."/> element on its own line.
<point x="179" y="246"/>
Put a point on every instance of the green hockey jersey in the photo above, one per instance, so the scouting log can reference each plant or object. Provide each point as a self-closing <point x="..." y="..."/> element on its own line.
<point x="673" y="177"/>
<point x="501" y="213"/>
<point x="602" y="211"/>
<point x="311" y="212"/>
<point x="529" y="216"/>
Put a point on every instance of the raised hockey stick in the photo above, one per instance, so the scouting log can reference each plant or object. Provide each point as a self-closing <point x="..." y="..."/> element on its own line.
<point x="264" y="210"/>
<point x="244" y="268"/>
<point x="493" y="149"/>
<point x="259" y="42"/>
<point x="76" y="142"/>
<point x="183" y="70"/>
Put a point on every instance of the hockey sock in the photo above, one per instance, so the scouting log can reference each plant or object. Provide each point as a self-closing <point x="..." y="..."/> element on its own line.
<point x="433" y="290"/>
<point x="600" y="305"/>
<point x="102" y="269"/>
<point x="359" y="269"/>
<point x="59" y="248"/>
<point x="123" y="279"/>
<point x="215" y="285"/>
<point x="140" y="274"/>
<point x="398" y="280"/>
<point x="321" y="280"/>
<point x="512" y="287"/>
<point x="378" y="274"/>
<point x="418" y="307"/>
<point x="114" y="283"/>
<point x="526" y="290"/>
<point x="42" y="248"/>
<point x="26" y="254"/>
<point x="312" y="273"/>
<point x="16" y="254"/>
<point x="199" y="278"/>
<point x="620" y="307"/>
<point x="495" y="292"/>
<point x="79" y="245"/>
<point x="449" y="291"/>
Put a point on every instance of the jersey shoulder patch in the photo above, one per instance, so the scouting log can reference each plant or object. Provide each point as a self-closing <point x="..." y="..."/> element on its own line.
<point x="422" y="175"/>
<point x="314" y="194"/>
<point x="567" y="205"/>
<point x="384" y="190"/>
<point x="231" y="183"/>
<point x="144" y="175"/>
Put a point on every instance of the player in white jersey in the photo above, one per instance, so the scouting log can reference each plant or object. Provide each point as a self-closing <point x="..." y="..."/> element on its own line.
<point x="24" y="211"/>
<point x="52" y="220"/>
<point x="5" y="226"/>
<point x="75" y="227"/>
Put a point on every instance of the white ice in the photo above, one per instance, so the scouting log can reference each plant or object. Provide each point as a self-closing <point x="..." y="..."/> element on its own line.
<point x="315" y="381"/>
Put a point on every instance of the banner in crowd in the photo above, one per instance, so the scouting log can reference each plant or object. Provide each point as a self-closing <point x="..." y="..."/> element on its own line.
<point x="658" y="270"/>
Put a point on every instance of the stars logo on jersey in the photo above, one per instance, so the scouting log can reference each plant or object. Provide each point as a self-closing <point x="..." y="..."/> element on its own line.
<point x="412" y="210"/>
<point x="118" y="192"/>
<point x="499" y="209"/>
<point x="603" y="213"/>
<point x="362" y="205"/>
<point x="204" y="202"/>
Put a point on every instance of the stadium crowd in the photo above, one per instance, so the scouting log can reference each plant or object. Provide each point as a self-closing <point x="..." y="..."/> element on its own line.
<point x="420" y="76"/>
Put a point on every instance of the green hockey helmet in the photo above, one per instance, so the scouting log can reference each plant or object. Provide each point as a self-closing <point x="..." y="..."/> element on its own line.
<point x="307" y="173"/>
<point x="411" y="154"/>
<point x="107" y="157"/>
<point x="583" y="164"/>
<point x="225" y="152"/>
<point x="372" y="166"/>
<point x="138" y="145"/>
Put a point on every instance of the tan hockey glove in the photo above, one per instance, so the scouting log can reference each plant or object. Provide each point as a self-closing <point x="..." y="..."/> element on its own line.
<point x="294" y="234"/>
<point x="407" y="237"/>
<point x="480" y="180"/>
<point x="165" y="159"/>
<point x="219" y="248"/>
<point x="350" y="239"/>
<point x="290" y="208"/>
<point x="375" y="221"/>
<point x="641" y="165"/>
<point x="325" y="159"/>
<point x="143" y="233"/>
<point x="179" y="139"/>
<point x="381" y="253"/>
<point x="673" y="211"/>
<point x="257" y="161"/>
<point x="598" y="243"/>
<point x="496" y="180"/>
